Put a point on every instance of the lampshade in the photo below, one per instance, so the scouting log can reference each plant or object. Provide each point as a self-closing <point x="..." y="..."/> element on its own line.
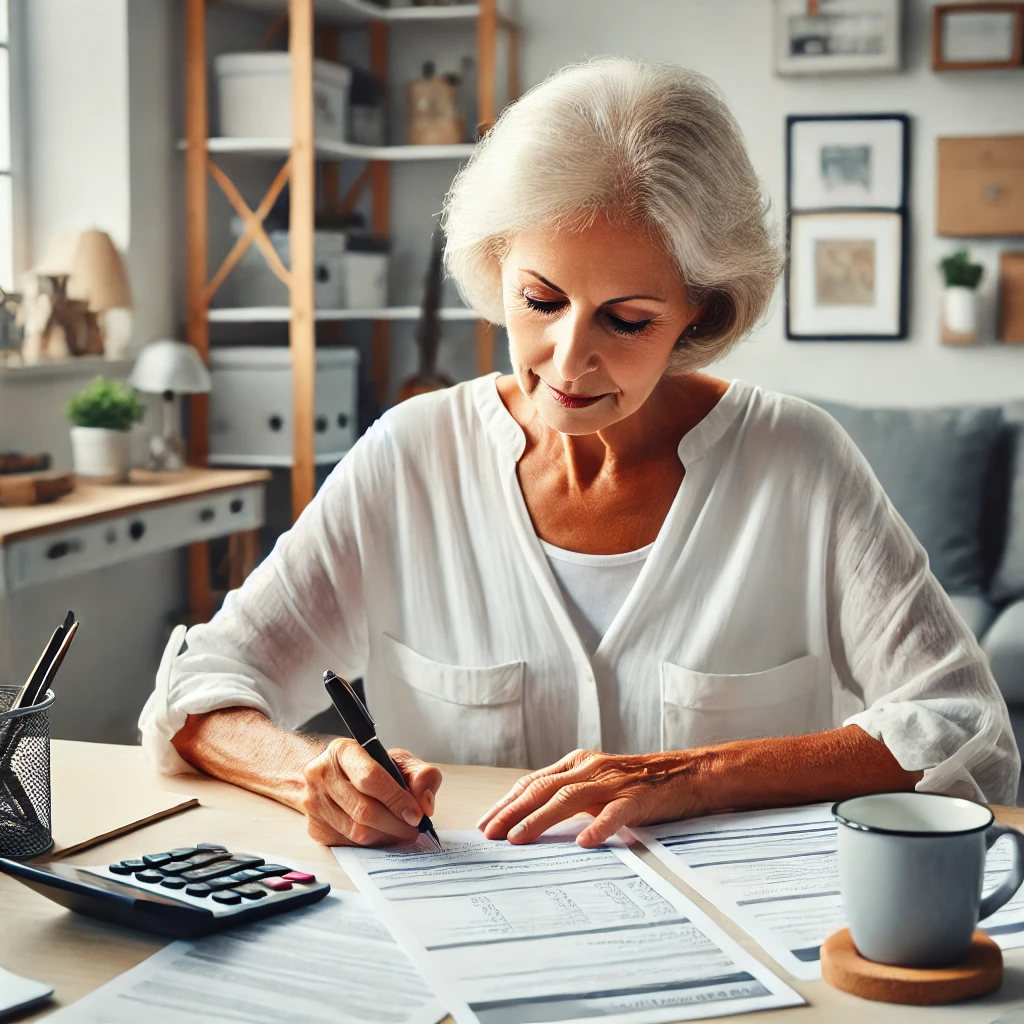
<point x="170" y="366"/>
<point x="95" y="270"/>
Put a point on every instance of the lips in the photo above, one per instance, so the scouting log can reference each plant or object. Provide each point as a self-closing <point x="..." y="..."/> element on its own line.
<point x="572" y="401"/>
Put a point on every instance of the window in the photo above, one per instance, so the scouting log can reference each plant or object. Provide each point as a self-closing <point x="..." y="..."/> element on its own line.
<point x="6" y="183"/>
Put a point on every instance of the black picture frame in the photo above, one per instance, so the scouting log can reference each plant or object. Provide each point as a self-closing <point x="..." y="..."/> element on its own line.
<point x="902" y="209"/>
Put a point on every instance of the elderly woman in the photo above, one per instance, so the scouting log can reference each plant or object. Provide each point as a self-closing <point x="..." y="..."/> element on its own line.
<point x="699" y="584"/>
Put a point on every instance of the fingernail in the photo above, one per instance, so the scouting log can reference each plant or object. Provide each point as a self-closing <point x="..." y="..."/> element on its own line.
<point x="428" y="798"/>
<point x="411" y="817"/>
<point x="517" y="831"/>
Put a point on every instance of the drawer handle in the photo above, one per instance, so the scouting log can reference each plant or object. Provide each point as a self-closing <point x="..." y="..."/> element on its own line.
<point x="321" y="424"/>
<point x="62" y="548"/>
<point x="236" y="505"/>
<point x="207" y="515"/>
<point x="275" y="423"/>
<point x="137" y="529"/>
<point x="342" y="420"/>
<point x="992" y="192"/>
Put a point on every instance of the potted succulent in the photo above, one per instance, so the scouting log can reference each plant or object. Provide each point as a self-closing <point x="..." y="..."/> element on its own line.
<point x="101" y="420"/>
<point x="960" y="298"/>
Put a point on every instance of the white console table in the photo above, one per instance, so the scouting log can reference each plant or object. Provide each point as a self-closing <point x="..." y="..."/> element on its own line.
<point x="99" y="525"/>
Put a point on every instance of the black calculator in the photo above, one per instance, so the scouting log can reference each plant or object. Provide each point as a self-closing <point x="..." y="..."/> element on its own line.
<point x="184" y="893"/>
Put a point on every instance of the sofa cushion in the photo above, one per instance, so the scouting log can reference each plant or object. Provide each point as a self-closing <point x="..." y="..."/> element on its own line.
<point x="1008" y="581"/>
<point x="934" y="466"/>
<point x="1004" y="645"/>
<point x="976" y="611"/>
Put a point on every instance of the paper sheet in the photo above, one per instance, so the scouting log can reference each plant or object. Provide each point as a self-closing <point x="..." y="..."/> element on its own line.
<point x="776" y="874"/>
<point x="551" y="932"/>
<point x="331" y="962"/>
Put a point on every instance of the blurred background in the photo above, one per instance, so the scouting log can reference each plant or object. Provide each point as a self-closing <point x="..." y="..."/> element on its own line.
<point x="227" y="212"/>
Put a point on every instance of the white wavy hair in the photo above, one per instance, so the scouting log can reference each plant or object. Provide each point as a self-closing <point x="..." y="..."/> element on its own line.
<point x="651" y="144"/>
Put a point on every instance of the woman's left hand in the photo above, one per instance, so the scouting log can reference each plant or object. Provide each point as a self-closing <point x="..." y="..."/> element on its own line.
<point x="618" y="789"/>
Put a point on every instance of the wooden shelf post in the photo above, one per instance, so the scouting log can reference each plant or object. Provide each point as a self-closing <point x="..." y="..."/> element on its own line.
<point x="200" y="596"/>
<point x="302" y="195"/>
<point x="380" y="218"/>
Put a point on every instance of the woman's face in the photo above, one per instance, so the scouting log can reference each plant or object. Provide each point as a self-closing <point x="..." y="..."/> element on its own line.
<point x="592" y="319"/>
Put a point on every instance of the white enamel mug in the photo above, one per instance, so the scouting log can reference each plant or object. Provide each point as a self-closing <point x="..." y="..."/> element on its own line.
<point x="911" y="869"/>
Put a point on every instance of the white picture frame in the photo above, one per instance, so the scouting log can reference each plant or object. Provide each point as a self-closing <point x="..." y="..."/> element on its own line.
<point x="847" y="162"/>
<point x="846" y="278"/>
<point x="843" y="37"/>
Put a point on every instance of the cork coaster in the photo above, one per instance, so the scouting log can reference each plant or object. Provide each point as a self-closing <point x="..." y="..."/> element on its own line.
<point x="844" y="968"/>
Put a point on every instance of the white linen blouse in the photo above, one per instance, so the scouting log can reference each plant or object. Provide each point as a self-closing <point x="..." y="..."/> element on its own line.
<point x="783" y="595"/>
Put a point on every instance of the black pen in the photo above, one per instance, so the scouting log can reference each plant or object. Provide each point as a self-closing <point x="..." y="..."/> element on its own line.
<point x="360" y="723"/>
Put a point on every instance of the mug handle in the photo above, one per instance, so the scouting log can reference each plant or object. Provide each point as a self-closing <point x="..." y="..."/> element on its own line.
<point x="1005" y="890"/>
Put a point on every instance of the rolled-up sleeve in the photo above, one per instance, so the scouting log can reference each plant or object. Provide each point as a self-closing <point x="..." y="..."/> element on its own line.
<point x="899" y="645"/>
<point x="301" y="611"/>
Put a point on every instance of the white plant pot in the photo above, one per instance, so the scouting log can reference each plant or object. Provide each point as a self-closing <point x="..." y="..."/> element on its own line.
<point x="101" y="453"/>
<point x="960" y="309"/>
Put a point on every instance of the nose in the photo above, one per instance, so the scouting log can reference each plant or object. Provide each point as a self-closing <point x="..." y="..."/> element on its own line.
<point x="575" y="349"/>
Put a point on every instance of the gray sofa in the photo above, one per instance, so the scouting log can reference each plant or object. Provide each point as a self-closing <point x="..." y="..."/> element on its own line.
<point x="957" y="477"/>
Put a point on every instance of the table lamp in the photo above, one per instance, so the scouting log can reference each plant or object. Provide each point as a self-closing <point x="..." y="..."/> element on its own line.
<point x="169" y="368"/>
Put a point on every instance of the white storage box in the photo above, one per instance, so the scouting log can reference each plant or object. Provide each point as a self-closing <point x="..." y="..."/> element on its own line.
<point x="253" y="283"/>
<point x="364" y="279"/>
<point x="255" y="96"/>
<point x="251" y="405"/>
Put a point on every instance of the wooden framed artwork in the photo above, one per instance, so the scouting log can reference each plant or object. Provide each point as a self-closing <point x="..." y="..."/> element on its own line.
<point x="977" y="36"/>
<point x="830" y="37"/>
<point x="846" y="277"/>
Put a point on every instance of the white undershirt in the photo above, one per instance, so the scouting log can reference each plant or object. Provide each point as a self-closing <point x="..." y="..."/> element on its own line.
<point x="594" y="586"/>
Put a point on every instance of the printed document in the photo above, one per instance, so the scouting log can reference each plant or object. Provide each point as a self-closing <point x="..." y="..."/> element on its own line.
<point x="551" y="932"/>
<point x="331" y="962"/>
<point x="776" y="874"/>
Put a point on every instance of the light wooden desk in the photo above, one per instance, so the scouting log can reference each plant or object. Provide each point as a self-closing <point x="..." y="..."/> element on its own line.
<point x="76" y="954"/>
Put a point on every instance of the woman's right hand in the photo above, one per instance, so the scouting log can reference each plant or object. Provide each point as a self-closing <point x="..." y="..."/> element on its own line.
<point x="349" y="800"/>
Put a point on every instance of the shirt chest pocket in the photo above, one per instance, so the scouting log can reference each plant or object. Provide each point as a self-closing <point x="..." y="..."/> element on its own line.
<point x="458" y="714"/>
<point x="700" y="708"/>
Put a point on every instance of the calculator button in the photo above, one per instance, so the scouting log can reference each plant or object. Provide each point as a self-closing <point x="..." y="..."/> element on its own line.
<point x="301" y="877"/>
<point x="173" y="883"/>
<point x="178" y="867"/>
<point x="277" y="884"/>
<point x="156" y="860"/>
<point x="120" y="868"/>
<point x="221" y="868"/>
<point x="200" y="860"/>
<point x="268" y="870"/>
<point x="227" y="896"/>
<point x="212" y="847"/>
<point x="134" y="865"/>
<point x="199" y="889"/>
<point x="182" y="852"/>
<point x="252" y="891"/>
<point x="149" y="876"/>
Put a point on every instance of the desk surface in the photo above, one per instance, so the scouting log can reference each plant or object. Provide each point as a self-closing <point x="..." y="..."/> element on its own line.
<point x="76" y="954"/>
<point x="145" y="489"/>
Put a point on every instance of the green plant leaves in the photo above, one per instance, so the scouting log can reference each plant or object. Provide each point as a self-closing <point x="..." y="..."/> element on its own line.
<point x="960" y="272"/>
<point x="106" y="403"/>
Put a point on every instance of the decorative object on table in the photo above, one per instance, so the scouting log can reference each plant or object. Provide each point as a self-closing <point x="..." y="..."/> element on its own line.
<point x="847" y="195"/>
<point x="55" y="326"/>
<point x="428" y="329"/>
<point x="433" y="109"/>
<point x="102" y="415"/>
<point x="169" y="368"/>
<point x="844" y="968"/>
<point x="11" y="331"/>
<point x="367" y="126"/>
<point x="977" y="36"/>
<point x="255" y="96"/>
<point x="1011" y="297"/>
<point x="17" y="462"/>
<point x="980" y="186"/>
<point x="830" y="37"/>
<point x="849" y="161"/>
<point x="34" y="488"/>
<point x="960" y="298"/>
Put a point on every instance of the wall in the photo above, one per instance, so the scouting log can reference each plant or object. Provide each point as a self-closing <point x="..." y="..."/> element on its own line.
<point x="730" y="40"/>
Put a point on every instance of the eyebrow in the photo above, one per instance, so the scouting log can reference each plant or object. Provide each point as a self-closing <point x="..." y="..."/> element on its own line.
<point x="607" y="302"/>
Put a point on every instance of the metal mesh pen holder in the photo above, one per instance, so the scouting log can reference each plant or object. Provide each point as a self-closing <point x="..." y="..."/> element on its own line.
<point x="24" y="776"/>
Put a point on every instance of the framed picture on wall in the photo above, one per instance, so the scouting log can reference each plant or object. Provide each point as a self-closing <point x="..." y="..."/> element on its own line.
<point x="855" y="161"/>
<point x="846" y="277"/>
<point x="977" y="36"/>
<point x="829" y="37"/>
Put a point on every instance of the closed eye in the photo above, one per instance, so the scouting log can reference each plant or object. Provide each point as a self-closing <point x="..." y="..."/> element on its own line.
<point x="543" y="307"/>
<point x="627" y="326"/>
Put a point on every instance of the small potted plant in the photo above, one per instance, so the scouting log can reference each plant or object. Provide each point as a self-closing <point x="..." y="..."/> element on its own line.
<point x="960" y="299"/>
<point x="101" y="420"/>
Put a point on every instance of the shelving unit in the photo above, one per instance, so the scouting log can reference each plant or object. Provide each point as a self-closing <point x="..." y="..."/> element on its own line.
<point x="310" y="21"/>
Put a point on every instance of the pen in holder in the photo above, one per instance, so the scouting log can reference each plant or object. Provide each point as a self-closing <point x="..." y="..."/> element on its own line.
<point x="25" y="828"/>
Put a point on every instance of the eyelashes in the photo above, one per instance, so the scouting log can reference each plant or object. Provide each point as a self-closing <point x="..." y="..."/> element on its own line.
<point x="628" y="328"/>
